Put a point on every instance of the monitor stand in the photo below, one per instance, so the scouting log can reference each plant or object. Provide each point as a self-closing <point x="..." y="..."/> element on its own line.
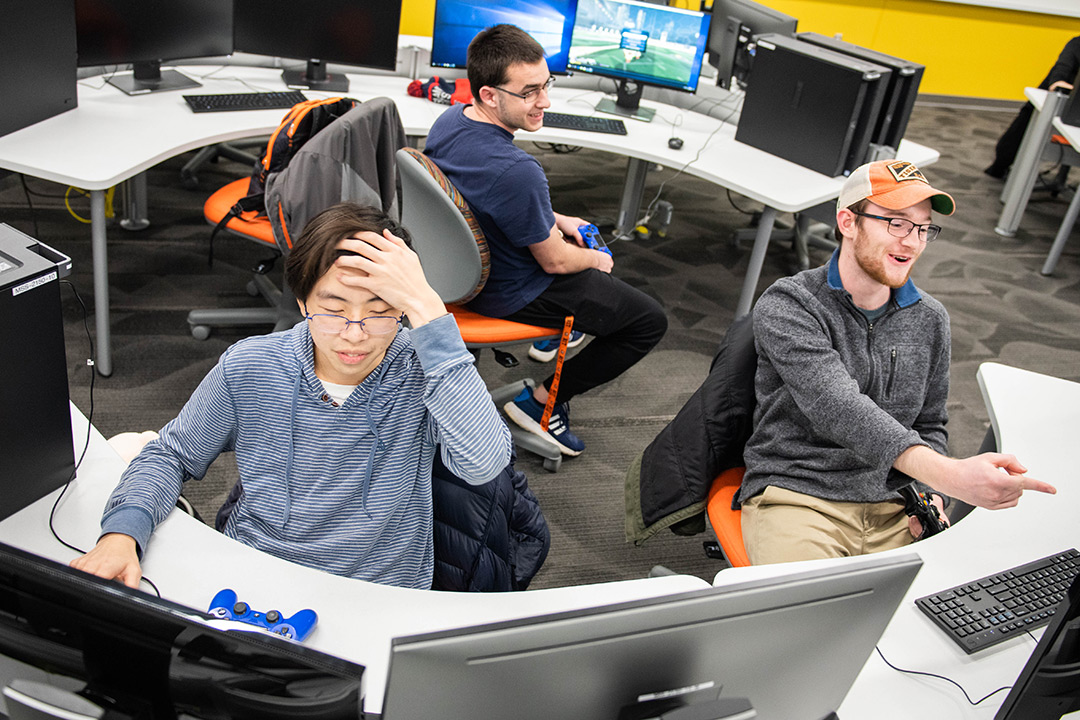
<point x="315" y="77"/>
<point x="626" y="102"/>
<point x="148" y="77"/>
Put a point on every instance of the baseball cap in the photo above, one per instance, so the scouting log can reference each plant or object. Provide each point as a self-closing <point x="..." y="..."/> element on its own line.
<point x="892" y="184"/>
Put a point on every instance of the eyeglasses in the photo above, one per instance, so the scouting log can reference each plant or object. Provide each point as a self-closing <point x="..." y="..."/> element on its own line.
<point x="899" y="227"/>
<point x="530" y="95"/>
<point x="339" y="325"/>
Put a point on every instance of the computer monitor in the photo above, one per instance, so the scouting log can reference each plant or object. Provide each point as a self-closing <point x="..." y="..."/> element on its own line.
<point x="147" y="32"/>
<point x="140" y="656"/>
<point x="735" y="23"/>
<point x="638" y="44"/>
<point x="348" y="32"/>
<point x="1049" y="685"/>
<point x="790" y="645"/>
<point x="549" y="22"/>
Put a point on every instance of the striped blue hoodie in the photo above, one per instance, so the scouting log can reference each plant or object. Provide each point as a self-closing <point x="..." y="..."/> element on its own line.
<point x="343" y="489"/>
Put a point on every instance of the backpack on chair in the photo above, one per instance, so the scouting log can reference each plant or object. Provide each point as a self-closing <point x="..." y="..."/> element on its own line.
<point x="300" y="124"/>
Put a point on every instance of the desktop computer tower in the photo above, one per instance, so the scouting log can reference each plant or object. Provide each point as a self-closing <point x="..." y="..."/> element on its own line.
<point x="37" y="61"/>
<point x="36" y="454"/>
<point x="810" y="105"/>
<point x="902" y="88"/>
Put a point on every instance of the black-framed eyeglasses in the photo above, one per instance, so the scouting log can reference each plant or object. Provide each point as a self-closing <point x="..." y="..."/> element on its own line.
<point x="339" y="324"/>
<point x="899" y="227"/>
<point x="529" y="95"/>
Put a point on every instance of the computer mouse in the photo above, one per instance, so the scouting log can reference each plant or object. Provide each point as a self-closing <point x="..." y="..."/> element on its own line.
<point x="674" y="143"/>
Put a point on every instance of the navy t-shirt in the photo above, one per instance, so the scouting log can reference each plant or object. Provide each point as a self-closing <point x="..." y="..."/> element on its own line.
<point x="508" y="192"/>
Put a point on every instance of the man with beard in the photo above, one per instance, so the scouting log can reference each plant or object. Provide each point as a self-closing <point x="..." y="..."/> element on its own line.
<point x="851" y="385"/>
<point x="541" y="270"/>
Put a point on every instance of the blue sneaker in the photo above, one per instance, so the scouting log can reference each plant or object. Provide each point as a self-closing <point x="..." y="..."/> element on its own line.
<point x="526" y="412"/>
<point x="546" y="350"/>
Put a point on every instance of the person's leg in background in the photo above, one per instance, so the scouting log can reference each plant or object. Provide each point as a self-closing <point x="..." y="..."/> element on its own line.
<point x="625" y="324"/>
<point x="1009" y="143"/>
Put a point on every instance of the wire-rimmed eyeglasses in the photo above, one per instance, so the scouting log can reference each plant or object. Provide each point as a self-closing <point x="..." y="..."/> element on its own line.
<point x="339" y="324"/>
<point x="899" y="227"/>
<point x="529" y="95"/>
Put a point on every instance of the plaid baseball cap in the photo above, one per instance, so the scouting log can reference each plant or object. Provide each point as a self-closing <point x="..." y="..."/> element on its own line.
<point x="894" y="185"/>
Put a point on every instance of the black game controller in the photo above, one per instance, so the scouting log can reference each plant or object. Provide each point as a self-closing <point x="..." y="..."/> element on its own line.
<point x="918" y="505"/>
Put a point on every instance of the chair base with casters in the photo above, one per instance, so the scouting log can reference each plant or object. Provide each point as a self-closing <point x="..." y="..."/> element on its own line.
<point x="281" y="311"/>
<point x="727" y="523"/>
<point x="480" y="331"/>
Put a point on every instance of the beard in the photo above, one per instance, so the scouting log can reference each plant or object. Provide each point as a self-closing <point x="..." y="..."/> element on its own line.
<point x="873" y="263"/>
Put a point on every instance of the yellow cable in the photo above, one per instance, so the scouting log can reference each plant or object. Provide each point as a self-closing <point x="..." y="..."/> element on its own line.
<point x="109" y="194"/>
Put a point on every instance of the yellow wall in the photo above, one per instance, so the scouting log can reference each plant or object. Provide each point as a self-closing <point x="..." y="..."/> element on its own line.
<point x="968" y="50"/>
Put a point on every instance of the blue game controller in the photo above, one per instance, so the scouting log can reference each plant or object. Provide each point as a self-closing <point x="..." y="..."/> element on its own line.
<point x="591" y="234"/>
<point x="225" y="606"/>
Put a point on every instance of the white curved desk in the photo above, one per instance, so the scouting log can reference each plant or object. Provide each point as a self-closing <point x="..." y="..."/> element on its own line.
<point x="189" y="562"/>
<point x="1037" y="418"/>
<point x="1034" y="416"/>
<point x="112" y="137"/>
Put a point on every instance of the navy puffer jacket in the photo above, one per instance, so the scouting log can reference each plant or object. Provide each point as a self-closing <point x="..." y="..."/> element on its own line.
<point x="489" y="537"/>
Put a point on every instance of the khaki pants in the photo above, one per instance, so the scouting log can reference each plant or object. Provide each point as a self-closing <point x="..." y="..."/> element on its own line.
<point x="780" y="525"/>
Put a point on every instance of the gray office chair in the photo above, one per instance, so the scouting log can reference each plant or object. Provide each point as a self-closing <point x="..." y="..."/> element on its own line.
<point x="351" y="159"/>
<point x="455" y="257"/>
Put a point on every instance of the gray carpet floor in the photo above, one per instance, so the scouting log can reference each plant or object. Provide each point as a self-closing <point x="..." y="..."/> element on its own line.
<point x="1002" y="310"/>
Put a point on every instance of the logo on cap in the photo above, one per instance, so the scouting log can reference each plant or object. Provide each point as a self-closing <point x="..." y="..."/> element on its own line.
<point x="902" y="170"/>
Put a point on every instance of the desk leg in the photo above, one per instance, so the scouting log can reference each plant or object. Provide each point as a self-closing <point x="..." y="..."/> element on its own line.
<point x="757" y="259"/>
<point x="101" y="282"/>
<point x="1063" y="234"/>
<point x="1025" y="169"/>
<point x="133" y="192"/>
<point x="633" y="190"/>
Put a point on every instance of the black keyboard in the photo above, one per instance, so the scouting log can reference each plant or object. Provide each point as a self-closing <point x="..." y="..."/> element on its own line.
<point x="589" y="123"/>
<point x="982" y="613"/>
<point x="225" y="102"/>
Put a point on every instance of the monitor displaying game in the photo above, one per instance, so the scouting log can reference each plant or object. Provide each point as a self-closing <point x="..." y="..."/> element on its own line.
<point x="638" y="44"/>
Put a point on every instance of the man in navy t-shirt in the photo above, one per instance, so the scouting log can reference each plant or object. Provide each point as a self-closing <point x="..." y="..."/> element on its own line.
<point x="541" y="270"/>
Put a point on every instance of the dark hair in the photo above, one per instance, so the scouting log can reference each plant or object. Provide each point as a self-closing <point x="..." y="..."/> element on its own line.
<point x="316" y="249"/>
<point x="494" y="50"/>
<point x="856" y="207"/>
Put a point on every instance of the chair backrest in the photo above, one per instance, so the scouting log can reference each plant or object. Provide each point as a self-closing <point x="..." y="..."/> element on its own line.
<point x="445" y="234"/>
<point x="351" y="159"/>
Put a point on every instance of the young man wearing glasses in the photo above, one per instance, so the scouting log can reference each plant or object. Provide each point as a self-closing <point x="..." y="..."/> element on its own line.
<point x="541" y="270"/>
<point x="334" y="422"/>
<point x="852" y="383"/>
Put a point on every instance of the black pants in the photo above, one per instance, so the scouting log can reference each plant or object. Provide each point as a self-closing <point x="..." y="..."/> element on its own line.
<point x="1009" y="142"/>
<point x="625" y="324"/>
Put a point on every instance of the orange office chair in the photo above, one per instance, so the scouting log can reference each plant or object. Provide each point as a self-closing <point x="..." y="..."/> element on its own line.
<point x="455" y="257"/>
<point x="727" y="523"/>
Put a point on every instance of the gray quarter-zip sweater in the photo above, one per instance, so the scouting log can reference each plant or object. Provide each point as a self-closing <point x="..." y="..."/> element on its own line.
<point x="840" y="397"/>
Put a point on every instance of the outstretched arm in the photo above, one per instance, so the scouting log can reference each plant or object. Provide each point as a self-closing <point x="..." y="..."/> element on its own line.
<point x="990" y="480"/>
